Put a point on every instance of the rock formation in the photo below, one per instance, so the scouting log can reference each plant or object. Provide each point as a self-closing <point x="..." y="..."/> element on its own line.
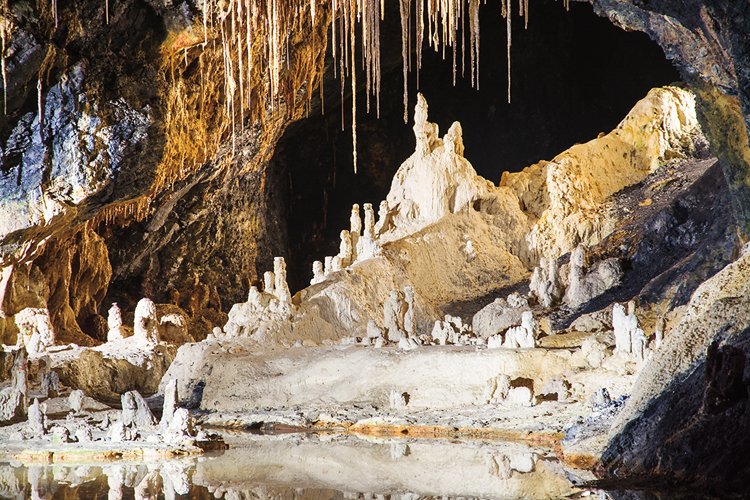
<point x="146" y="324"/>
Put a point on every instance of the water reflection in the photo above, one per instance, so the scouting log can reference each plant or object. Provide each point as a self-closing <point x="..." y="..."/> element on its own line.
<point x="299" y="466"/>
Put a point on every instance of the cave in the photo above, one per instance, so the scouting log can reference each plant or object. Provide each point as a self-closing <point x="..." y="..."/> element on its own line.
<point x="576" y="76"/>
<point x="366" y="248"/>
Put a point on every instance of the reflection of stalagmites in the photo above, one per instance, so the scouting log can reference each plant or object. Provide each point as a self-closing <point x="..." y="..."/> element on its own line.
<point x="75" y="401"/>
<point x="280" y="285"/>
<point x="146" y="325"/>
<point x="545" y="282"/>
<point x="170" y="403"/>
<point x="135" y="411"/>
<point x="398" y="399"/>
<point x="114" y="323"/>
<point x="398" y="450"/>
<point x="268" y="282"/>
<point x="393" y="319"/>
<point x="37" y="420"/>
<point x="115" y="481"/>
<point x="384" y="219"/>
<point x="318" y="274"/>
<point x="35" y="329"/>
<point x="522" y="336"/>
<point x="176" y="480"/>
<point x="409" y="316"/>
<point x="149" y="487"/>
<point x="345" y="248"/>
<point x="625" y="326"/>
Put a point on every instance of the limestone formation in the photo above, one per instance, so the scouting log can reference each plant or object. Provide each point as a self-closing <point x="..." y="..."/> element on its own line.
<point x="355" y="230"/>
<point x="146" y="324"/>
<point x="35" y="330"/>
<point x="268" y="283"/>
<point x="583" y="283"/>
<point x="328" y="265"/>
<point x="367" y="245"/>
<point x="410" y="325"/>
<point x="170" y="403"/>
<point x="544" y="284"/>
<point x="114" y="323"/>
<point x="336" y="264"/>
<point x="318" y="273"/>
<point x="135" y="411"/>
<point x="37" y="421"/>
<point x="280" y="285"/>
<point x="384" y="219"/>
<point x="51" y="384"/>
<point x="523" y="336"/>
<point x="346" y="250"/>
<point x="398" y="399"/>
<point x="625" y="327"/>
<point x="75" y="401"/>
<point x="498" y="316"/>
<point x="180" y="427"/>
<point x="393" y="316"/>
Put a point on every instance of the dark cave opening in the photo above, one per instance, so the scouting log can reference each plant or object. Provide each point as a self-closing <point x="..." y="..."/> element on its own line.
<point x="574" y="74"/>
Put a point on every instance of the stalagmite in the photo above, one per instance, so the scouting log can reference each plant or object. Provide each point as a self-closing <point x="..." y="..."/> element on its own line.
<point x="384" y="219"/>
<point x="75" y="401"/>
<point x="114" y="323"/>
<point x="36" y="331"/>
<point x="268" y="282"/>
<point x="393" y="319"/>
<point x="409" y="317"/>
<point x="280" y="285"/>
<point x="170" y="403"/>
<point x="345" y="248"/>
<point x="135" y="411"/>
<point x="328" y="265"/>
<point x="37" y="421"/>
<point x="318" y="273"/>
<point x="146" y="324"/>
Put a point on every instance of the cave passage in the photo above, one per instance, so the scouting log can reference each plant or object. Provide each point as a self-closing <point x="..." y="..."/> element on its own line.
<point x="575" y="75"/>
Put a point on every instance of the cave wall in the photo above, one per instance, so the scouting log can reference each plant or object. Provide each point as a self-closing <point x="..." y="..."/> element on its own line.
<point x="197" y="235"/>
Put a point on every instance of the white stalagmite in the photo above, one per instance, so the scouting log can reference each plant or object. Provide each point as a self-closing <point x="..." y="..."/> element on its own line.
<point x="281" y="288"/>
<point x="146" y="324"/>
<point x="318" y="274"/>
<point x="268" y="282"/>
<point x="345" y="248"/>
<point x="114" y="323"/>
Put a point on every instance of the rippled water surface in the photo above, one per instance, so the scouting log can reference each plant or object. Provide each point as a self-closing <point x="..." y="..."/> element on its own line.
<point x="316" y="467"/>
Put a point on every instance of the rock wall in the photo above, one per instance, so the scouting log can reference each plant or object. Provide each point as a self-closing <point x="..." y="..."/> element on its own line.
<point x="114" y="151"/>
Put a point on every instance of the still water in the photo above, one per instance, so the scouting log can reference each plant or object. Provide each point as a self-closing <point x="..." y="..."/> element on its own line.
<point x="314" y="467"/>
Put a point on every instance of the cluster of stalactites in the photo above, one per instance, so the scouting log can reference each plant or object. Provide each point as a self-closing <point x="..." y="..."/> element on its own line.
<point x="239" y="24"/>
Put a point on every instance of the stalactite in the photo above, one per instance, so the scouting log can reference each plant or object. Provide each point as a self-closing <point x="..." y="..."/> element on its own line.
<point x="508" y="23"/>
<point x="405" y="7"/>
